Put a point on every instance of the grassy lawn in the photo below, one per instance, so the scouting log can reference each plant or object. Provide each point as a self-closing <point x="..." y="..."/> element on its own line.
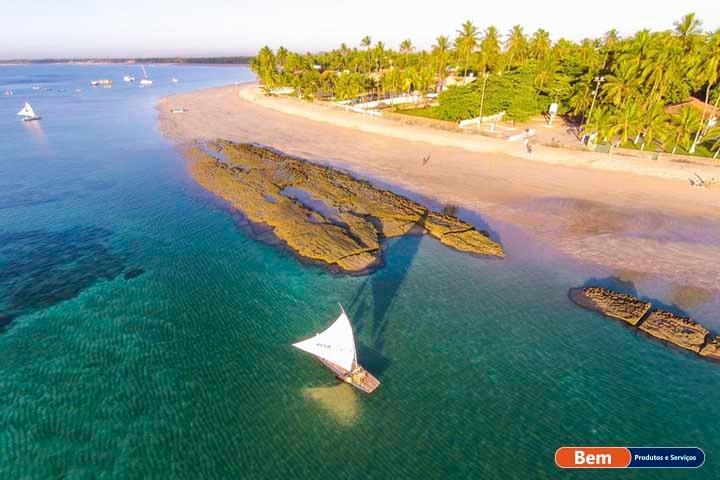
<point x="419" y="112"/>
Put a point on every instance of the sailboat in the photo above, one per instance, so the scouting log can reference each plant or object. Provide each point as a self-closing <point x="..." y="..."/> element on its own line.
<point x="28" y="113"/>
<point x="335" y="348"/>
<point x="146" y="80"/>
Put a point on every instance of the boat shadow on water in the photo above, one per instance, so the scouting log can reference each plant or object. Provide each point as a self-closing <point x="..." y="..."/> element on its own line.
<point x="383" y="285"/>
<point x="470" y="216"/>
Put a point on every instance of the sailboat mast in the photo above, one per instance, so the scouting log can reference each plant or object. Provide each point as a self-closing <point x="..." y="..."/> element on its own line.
<point x="355" y="362"/>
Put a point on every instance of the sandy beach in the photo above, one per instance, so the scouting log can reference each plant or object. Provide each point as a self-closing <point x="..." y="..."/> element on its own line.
<point x="637" y="218"/>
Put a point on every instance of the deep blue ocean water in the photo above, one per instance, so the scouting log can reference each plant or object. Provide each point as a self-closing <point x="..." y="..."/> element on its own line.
<point x="145" y="330"/>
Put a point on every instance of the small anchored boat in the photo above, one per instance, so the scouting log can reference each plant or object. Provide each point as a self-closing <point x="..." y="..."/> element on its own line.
<point x="335" y="348"/>
<point x="146" y="80"/>
<point x="28" y="113"/>
<point x="128" y="78"/>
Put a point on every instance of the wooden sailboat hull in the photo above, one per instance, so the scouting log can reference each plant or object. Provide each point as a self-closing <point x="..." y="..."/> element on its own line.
<point x="359" y="378"/>
<point x="31" y="119"/>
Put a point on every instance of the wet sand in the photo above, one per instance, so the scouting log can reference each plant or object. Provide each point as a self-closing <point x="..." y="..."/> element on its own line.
<point x="636" y="216"/>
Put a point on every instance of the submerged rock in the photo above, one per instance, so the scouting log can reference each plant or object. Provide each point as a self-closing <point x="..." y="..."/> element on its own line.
<point x="133" y="273"/>
<point x="613" y="304"/>
<point x="681" y="331"/>
<point x="322" y="213"/>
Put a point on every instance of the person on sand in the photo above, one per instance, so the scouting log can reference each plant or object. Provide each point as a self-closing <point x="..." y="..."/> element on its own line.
<point x="528" y="146"/>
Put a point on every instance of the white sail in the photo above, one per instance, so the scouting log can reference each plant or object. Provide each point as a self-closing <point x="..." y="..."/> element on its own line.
<point x="336" y="344"/>
<point x="27" y="111"/>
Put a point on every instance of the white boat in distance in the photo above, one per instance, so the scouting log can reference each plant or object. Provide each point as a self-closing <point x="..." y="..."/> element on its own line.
<point x="128" y="78"/>
<point x="28" y="113"/>
<point x="146" y="80"/>
<point x="335" y="348"/>
<point x="175" y="80"/>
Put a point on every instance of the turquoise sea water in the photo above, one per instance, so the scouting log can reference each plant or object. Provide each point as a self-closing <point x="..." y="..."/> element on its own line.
<point x="146" y="328"/>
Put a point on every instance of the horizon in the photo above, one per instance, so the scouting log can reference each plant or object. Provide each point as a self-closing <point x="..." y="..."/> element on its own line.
<point x="150" y="31"/>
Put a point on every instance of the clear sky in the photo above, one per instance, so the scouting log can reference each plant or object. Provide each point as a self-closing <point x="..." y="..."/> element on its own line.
<point x="96" y="28"/>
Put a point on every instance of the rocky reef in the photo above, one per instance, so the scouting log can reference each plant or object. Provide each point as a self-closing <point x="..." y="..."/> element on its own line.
<point x="663" y="325"/>
<point x="711" y="349"/>
<point x="321" y="213"/>
<point x="617" y="305"/>
<point x="681" y="331"/>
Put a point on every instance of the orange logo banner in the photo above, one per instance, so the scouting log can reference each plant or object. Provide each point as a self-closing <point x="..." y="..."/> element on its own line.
<point x="592" y="457"/>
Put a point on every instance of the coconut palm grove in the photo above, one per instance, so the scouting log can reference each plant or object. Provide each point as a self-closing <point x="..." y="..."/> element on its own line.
<point x="653" y="91"/>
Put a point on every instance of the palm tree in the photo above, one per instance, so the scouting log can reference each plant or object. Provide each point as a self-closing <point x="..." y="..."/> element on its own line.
<point x="440" y="50"/>
<point x="601" y="121"/>
<point x="540" y="44"/>
<point x="622" y="84"/>
<point x="392" y="79"/>
<point x="424" y="78"/>
<point x="687" y="29"/>
<point x="545" y="72"/>
<point x="516" y="45"/>
<point x="365" y="43"/>
<point x="714" y="134"/>
<point x="264" y="65"/>
<point x="379" y="54"/>
<point x="490" y="48"/>
<point x="581" y="98"/>
<point x="685" y="124"/>
<point x="638" y="49"/>
<point x="658" y="68"/>
<point x="611" y="38"/>
<point x="609" y="43"/>
<point x="467" y="41"/>
<point x="626" y="123"/>
<point x="654" y="126"/>
<point x="708" y="69"/>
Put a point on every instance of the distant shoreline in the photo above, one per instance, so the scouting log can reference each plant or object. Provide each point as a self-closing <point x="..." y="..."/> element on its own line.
<point x="130" y="64"/>
<point x="240" y="60"/>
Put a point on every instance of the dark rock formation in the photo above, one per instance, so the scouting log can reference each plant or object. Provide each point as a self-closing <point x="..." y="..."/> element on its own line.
<point x="322" y="213"/>
<point x="617" y="305"/>
<point x="681" y="331"/>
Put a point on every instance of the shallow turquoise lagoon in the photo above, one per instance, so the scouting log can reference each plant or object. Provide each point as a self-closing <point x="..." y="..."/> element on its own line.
<point x="146" y="327"/>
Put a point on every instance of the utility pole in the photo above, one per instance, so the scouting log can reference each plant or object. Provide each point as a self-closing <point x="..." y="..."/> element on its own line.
<point x="486" y="74"/>
<point x="598" y="81"/>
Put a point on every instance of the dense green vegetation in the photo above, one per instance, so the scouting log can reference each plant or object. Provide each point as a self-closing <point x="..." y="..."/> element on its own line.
<point x="616" y="88"/>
